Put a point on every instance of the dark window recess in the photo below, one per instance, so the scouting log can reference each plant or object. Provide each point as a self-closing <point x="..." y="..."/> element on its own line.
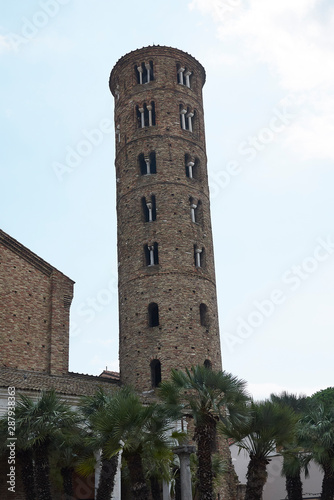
<point x="147" y="164"/>
<point x="183" y="75"/>
<point x="199" y="256"/>
<point x="151" y="254"/>
<point x="187" y="117"/>
<point x="208" y="364"/>
<point x="149" y="209"/>
<point x="155" y="372"/>
<point x="146" y="115"/>
<point x="144" y="72"/>
<point x="153" y="314"/>
<point x="204" y="315"/>
<point x="191" y="167"/>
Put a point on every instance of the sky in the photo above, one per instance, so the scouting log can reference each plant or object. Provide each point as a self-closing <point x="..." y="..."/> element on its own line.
<point x="269" y="103"/>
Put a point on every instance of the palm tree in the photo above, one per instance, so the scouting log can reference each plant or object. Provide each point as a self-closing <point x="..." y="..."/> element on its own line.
<point x="268" y="427"/>
<point x="91" y="408"/>
<point x="293" y="456"/>
<point x="42" y="421"/>
<point x="316" y="433"/>
<point x="140" y="431"/>
<point x="207" y="396"/>
<point x="24" y="455"/>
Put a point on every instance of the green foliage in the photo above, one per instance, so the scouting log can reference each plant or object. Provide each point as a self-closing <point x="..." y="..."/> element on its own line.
<point x="325" y="397"/>
<point x="269" y="425"/>
<point x="201" y="391"/>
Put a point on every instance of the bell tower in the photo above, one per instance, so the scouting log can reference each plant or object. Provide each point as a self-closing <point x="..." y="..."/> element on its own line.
<point x="167" y="292"/>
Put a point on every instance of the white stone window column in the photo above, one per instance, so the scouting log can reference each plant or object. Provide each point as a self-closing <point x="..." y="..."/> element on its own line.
<point x="117" y="92"/>
<point x="198" y="252"/>
<point x="190" y="169"/>
<point x="190" y="125"/>
<point x="140" y="71"/>
<point x="142" y="118"/>
<point x="148" y="165"/>
<point x="118" y="133"/>
<point x="148" y="68"/>
<point x="187" y="75"/>
<point x="149" y="208"/>
<point x="151" y="250"/>
<point x="180" y="72"/>
<point x="183" y="118"/>
<point x="192" y="211"/>
<point x="149" y="107"/>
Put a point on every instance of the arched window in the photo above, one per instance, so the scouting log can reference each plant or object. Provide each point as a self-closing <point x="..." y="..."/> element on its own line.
<point x="186" y="118"/>
<point x="153" y="314"/>
<point x="144" y="72"/>
<point x="204" y="315"/>
<point x="147" y="164"/>
<point x="155" y="366"/>
<point x="149" y="210"/>
<point x="151" y="254"/>
<point x="191" y="167"/>
<point x="183" y="75"/>
<point x="208" y="364"/>
<point x="195" y="210"/>
<point x="199" y="256"/>
<point x="146" y="115"/>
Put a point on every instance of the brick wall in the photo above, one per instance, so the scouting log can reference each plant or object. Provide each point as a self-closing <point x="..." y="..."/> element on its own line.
<point x="175" y="284"/>
<point x="34" y="311"/>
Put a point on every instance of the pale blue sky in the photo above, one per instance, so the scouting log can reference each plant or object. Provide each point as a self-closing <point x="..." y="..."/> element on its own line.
<point x="269" y="125"/>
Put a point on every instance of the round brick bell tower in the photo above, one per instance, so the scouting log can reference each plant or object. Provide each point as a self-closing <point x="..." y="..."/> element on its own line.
<point x="167" y="291"/>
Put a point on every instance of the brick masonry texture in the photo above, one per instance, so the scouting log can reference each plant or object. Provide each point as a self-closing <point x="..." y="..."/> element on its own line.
<point x="175" y="284"/>
<point x="34" y="314"/>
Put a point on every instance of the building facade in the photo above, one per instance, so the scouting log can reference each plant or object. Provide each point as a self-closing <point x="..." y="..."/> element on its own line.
<point x="167" y="291"/>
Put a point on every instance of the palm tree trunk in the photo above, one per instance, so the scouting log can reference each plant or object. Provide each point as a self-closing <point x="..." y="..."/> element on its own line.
<point x="27" y="473"/>
<point x="42" y="470"/>
<point x="256" y="478"/>
<point x="155" y="488"/>
<point x="107" y="477"/>
<point x="294" y="487"/>
<point x="327" y="492"/>
<point x="205" y="435"/>
<point x="139" y="488"/>
<point x="67" y="473"/>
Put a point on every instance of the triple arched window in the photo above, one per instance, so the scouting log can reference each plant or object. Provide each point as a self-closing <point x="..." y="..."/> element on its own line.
<point x="146" y="114"/>
<point x="187" y="116"/>
<point x="183" y="75"/>
<point x="144" y="72"/>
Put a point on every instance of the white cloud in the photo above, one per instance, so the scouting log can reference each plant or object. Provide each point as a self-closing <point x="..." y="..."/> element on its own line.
<point x="296" y="42"/>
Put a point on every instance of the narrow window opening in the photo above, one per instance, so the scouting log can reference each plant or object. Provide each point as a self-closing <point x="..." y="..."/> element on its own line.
<point x="144" y="72"/>
<point x="186" y="118"/>
<point x="153" y="314"/>
<point x="193" y="210"/>
<point x="208" y="364"/>
<point x="155" y="366"/>
<point x="149" y="209"/>
<point x="153" y="163"/>
<point x="183" y="75"/>
<point x="147" y="164"/>
<point x="204" y="315"/>
<point x="146" y="115"/>
<point x="151" y="254"/>
<point x="191" y="167"/>
<point x="198" y="256"/>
